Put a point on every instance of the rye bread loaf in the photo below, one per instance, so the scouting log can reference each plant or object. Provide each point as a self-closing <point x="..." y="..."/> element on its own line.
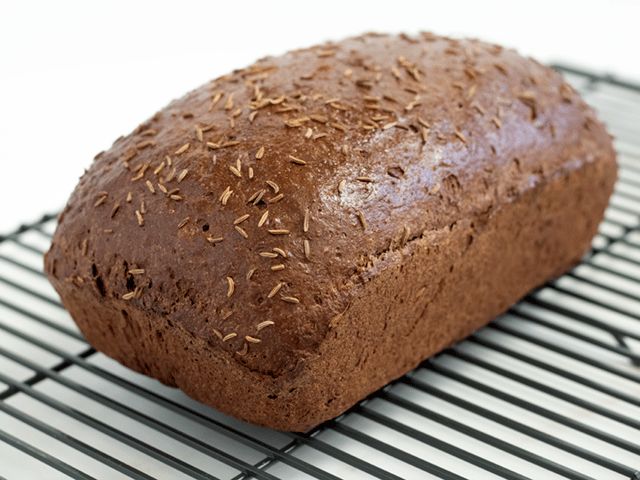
<point x="290" y="237"/>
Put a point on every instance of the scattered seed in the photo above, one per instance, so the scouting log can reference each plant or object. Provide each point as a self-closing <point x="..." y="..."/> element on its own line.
<point x="215" y="99"/>
<point x="294" y="122"/>
<point x="159" y="168"/>
<point x="129" y="295"/>
<point x="305" y="222"/>
<point x="500" y="68"/>
<point x="325" y="53"/>
<point x="338" y="126"/>
<point x="277" y="198"/>
<point x="258" y="198"/>
<point x="145" y="144"/>
<point x="260" y="153"/>
<point x="478" y="107"/>
<point x="229" y="103"/>
<point x="279" y="266"/>
<point x="217" y="333"/>
<point x="162" y="188"/>
<point x="250" y="273"/>
<point x="171" y="174"/>
<point x="278" y="231"/>
<point x="496" y="122"/>
<point x="363" y="221"/>
<point x="115" y="209"/>
<point x="241" y="231"/>
<point x="459" y="134"/>
<point x="275" y="290"/>
<point x="100" y="201"/>
<point x="231" y="287"/>
<point x="136" y="271"/>
<point x="141" y="171"/>
<point x="424" y="133"/>
<point x="265" y="324"/>
<point x="175" y="197"/>
<point x="183" y="222"/>
<point x="297" y="161"/>
<point x="240" y="219"/>
<point x="243" y="351"/>
<point x="183" y="174"/>
<point x="389" y="125"/>
<point x="307" y="249"/>
<point x="263" y="218"/>
<point x="229" y="336"/>
<point x="250" y="173"/>
<point x="213" y="240"/>
<point x="139" y="218"/>
<point x="405" y="234"/>
<point x="252" y="339"/>
<point x="182" y="149"/>
<point x="472" y="91"/>
<point x="128" y="156"/>
<point x="527" y="96"/>
<point x="365" y="179"/>
<point x="424" y="123"/>
<point x="254" y="195"/>
<point x="150" y="186"/>
<point x="216" y="146"/>
<point x="235" y="171"/>
<point x="319" y="118"/>
<point x="330" y="100"/>
<point x="280" y="252"/>
<point x="268" y="254"/>
<point x="341" y="186"/>
<point x="274" y="186"/>
<point x="290" y="299"/>
<point x="84" y="247"/>
<point x="143" y="207"/>
<point x="225" y="195"/>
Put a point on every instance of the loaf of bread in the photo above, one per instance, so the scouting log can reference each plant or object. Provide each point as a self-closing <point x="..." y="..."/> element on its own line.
<point x="288" y="238"/>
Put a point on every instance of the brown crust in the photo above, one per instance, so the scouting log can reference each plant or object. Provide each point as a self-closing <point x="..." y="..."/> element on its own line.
<point x="474" y="168"/>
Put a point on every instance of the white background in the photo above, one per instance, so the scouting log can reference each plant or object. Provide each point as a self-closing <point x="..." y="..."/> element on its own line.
<point x="76" y="75"/>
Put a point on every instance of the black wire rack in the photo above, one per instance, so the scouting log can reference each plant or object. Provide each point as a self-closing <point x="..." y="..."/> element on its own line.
<point x="549" y="390"/>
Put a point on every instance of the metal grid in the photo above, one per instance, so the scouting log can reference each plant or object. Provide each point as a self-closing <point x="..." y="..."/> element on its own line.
<point x="549" y="390"/>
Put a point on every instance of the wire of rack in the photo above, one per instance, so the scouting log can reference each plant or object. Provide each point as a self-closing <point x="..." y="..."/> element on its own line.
<point x="551" y="389"/>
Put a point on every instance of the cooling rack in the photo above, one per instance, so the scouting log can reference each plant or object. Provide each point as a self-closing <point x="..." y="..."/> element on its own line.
<point x="549" y="390"/>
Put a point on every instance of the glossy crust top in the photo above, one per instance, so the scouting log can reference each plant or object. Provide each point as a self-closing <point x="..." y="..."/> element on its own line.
<point x="249" y="211"/>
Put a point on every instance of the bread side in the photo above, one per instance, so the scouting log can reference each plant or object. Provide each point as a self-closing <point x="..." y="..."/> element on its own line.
<point x="415" y="188"/>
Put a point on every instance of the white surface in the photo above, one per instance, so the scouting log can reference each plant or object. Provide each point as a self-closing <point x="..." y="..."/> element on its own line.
<point x="76" y="75"/>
